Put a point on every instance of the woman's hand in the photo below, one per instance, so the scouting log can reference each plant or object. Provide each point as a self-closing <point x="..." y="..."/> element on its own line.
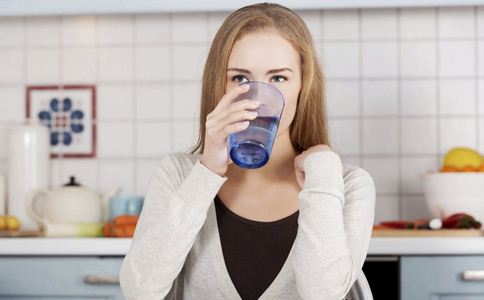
<point x="299" y="161"/>
<point x="228" y="117"/>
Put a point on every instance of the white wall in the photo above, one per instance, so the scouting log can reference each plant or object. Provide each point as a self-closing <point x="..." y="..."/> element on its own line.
<point x="403" y="86"/>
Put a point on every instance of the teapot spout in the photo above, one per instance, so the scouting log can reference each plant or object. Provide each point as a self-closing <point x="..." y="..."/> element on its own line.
<point x="105" y="202"/>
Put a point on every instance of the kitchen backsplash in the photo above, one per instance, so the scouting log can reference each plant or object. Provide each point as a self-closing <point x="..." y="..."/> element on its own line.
<point x="403" y="86"/>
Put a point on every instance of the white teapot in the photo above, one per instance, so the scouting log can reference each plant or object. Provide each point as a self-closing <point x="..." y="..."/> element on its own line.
<point x="70" y="203"/>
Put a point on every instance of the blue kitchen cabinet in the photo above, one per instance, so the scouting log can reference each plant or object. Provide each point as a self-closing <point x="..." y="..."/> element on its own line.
<point x="442" y="277"/>
<point x="60" y="277"/>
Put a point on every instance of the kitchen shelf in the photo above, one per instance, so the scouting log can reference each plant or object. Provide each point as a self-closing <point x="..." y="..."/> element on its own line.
<point x="81" y="7"/>
<point x="120" y="246"/>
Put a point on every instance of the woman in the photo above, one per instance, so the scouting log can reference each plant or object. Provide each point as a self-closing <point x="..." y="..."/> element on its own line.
<point x="297" y="228"/>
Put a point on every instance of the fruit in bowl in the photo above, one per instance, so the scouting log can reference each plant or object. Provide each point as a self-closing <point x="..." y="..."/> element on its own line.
<point x="458" y="186"/>
<point x="463" y="159"/>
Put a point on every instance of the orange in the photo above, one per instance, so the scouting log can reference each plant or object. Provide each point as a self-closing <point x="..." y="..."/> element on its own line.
<point x="480" y="168"/>
<point x="468" y="168"/>
<point x="449" y="169"/>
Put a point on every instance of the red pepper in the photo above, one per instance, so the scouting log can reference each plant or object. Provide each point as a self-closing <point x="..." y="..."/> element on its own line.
<point x="398" y="224"/>
<point x="460" y="220"/>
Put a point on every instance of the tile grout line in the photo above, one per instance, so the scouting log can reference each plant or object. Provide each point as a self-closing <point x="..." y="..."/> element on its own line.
<point x="134" y="105"/>
<point x="399" y="116"/>
<point x="476" y="80"/>
<point x="331" y="79"/>
<point x="360" y="89"/>
<point x="97" y="80"/>
<point x="437" y="86"/>
<point x="197" y="43"/>
<point x="60" y="48"/>
<point x="171" y="89"/>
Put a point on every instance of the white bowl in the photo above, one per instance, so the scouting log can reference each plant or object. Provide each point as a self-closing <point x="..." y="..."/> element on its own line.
<point x="447" y="193"/>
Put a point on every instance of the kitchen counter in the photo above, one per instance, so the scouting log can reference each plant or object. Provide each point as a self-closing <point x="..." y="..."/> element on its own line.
<point x="120" y="246"/>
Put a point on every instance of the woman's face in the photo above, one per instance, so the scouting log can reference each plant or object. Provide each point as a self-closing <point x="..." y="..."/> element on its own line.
<point x="267" y="57"/>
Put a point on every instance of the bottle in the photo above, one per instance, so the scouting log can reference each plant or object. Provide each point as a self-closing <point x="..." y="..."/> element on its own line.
<point x="28" y="167"/>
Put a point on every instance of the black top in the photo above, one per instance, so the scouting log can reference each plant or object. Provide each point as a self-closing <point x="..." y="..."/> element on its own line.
<point x="254" y="251"/>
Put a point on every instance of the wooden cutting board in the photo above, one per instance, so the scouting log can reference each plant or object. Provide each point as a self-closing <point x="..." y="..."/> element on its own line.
<point x="427" y="233"/>
<point x="19" y="233"/>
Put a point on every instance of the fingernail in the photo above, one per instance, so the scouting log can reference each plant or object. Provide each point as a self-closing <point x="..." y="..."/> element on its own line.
<point x="256" y="103"/>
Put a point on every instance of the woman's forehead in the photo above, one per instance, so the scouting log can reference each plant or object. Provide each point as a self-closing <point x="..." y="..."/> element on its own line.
<point x="263" y="51"/>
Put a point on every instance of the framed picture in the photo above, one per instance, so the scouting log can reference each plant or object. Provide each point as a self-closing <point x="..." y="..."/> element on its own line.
<point x="69" y="111"/>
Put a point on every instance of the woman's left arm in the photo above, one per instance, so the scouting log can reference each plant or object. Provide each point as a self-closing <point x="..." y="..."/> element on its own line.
<point x="336" y="215"/>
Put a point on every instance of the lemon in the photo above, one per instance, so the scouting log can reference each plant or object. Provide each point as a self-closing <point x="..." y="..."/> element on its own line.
<point x="461" y="157"/>
<point x="12" y="223"/>
<point x="3" y="223"/>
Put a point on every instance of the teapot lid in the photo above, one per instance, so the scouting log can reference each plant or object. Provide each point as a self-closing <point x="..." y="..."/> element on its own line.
<point x="72" y="182"/>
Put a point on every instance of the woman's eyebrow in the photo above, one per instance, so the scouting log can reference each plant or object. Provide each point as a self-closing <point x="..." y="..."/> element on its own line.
<point x="268" y="72"/>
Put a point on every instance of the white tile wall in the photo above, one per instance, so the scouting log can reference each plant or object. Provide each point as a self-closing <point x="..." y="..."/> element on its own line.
<point x="152" y="101"/>
<point x="115" y="102"/>
<point x="79" y="30"/>
<point x="379" y="97"/>
<point x="79" y="65"/>
<point x="340" y="59"/>
<point x="418" y="23"/>
<point x="343" y="98"/>
<point x="378" y="24"/>
<point x="11" y="31"/>
<point x="417" y="59"/>
<point x="115" y="30"/>
<point x="152" y="29"/>
<point x="152" y="63"/>
<point x="403" y="86"/>
<point x="43" y="66"/>
<point x="116" y="64"/>
<point x="42" y="31"/>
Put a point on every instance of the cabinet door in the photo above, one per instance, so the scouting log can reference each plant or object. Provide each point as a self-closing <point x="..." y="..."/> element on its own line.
<point x="460" y="297"/>
<point x="442" y="277"/>
<point x="59" y="278"/>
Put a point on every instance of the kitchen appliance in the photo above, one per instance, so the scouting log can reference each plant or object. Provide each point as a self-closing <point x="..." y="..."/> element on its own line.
<point x="448" y="192"/>
<point x="71" y="203"/>
<point x="383" y="275"/>
<point x="28" y="167"/>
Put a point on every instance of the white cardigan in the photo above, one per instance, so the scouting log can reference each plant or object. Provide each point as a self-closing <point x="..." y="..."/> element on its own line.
<point x="176" y="251"/>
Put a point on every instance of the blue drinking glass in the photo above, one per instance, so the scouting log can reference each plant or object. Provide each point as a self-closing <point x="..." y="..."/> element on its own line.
<point x="251" y="147"/>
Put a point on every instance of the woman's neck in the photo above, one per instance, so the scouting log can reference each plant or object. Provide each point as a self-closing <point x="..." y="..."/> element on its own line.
<point x="280" y="166"/>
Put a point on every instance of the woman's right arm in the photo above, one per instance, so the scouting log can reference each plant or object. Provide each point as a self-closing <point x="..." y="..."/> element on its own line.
<point x="172" y="215"/>
<point x="175" y="207"/>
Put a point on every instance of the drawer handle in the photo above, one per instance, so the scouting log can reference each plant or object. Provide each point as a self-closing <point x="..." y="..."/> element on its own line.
<point x="474" y="275"/>
<point x="99" y="279"/>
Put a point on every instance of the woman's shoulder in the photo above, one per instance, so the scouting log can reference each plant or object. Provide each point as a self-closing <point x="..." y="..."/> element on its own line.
<point x="180" y="162"/>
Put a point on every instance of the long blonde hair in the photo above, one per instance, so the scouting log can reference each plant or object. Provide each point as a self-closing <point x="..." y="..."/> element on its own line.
<point x="309" y="126"/>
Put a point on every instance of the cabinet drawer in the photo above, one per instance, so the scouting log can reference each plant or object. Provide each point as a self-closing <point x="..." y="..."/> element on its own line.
<point x="69" y="277"/>
<point x="442" y="277"/>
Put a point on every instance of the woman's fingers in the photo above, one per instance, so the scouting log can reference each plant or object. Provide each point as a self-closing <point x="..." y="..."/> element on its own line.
<point x="222" y="132"/>
<point x="237" y="108"/>
<point x="240" y="117"/>
<point x="227" y="98"/>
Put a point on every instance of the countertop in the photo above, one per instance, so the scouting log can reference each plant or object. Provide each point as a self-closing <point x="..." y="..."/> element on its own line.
<point x="120" y="246"/>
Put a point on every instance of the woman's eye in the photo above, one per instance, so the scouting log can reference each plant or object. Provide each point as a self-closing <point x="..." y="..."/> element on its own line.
<point x="280" y="78"/>
<point x="238" y="78"/>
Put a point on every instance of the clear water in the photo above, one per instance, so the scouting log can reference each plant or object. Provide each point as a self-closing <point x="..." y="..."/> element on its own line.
<point x="251" y="147"/>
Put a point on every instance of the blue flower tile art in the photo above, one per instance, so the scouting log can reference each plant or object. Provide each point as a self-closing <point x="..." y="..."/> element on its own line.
<point x="69" y="113"/>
